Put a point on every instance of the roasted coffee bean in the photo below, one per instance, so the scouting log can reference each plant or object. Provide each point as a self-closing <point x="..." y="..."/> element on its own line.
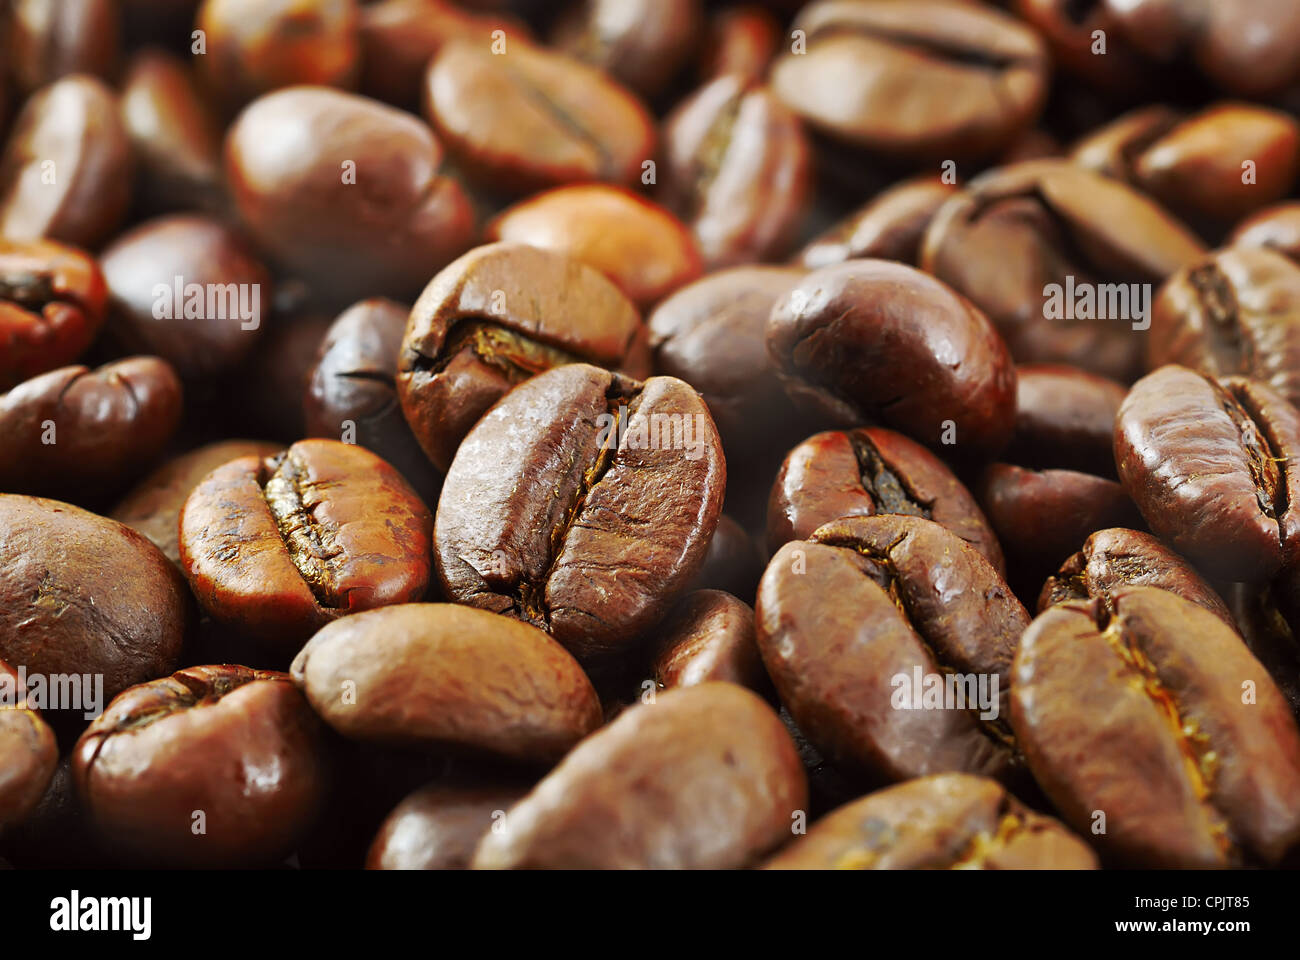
<point x="240" y="746"/>
<point x="876" y="340"/>
<point x="28" y="752"/>
<point x="1057" y="257"/>
<point x="889" y="227"/>
<point x="733" y="562"/>
<point x="83" y="434"/>
<point x="933" y="78"/>
<point x="494" y="318"/>
<point x="1154" y="715"/>
<point x="709" y="636"/>
<point x="1215" y="469"/>
<point x="346" y="192"/>
<point x="948" y="821"/>
<point x="851" y="619"/>
<point x="868" y="471"/>
<point x="1235" y="312"/>
<point x="65" y="173"/>
<point x="85" y="596"/>
<point x="643" y="248"/>
<point x="737" y="170"/>
<point x="532" y="119"/>
<point x="582" y="503"/>
<point x="277" y="547"/>
<point x="1070" y="30"/>
<point x="186" y="288"/>
<point x="444" y="675"/>
<point x="52" y="303"/>
<point x="351" y="391"/>
<point x="642" y="43"/>
<point x="1116" y="558"/>
<point x="153" y="507"/>
<point x="1277" y="227"/>
<point x="1065" y="417"/>
<point x="705" y="777"/>
<point x="742" y="41"/>
<point x="256" y="46"/>
<point x="438" y="826"/>
<point x="46" y="40"/>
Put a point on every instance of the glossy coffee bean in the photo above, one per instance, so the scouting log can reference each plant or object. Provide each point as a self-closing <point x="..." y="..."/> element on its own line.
<point x="351" y="391"/>
<point x="438" y="827"/>
<point x="1065" y="417"/>
<point x="1277" y="227"/>
<point x="1116" y="558"/>
<point x="444" y="675"/>
<point x="531" y="118"/>
<point x="153" y="506"/>
<point x="704" y="777"/>
<point x="1234" y="312"/>
<point x="256" y="46"/>
<point x="65" y="173"/>
<point x="28" y="752"/>
<point x="741" y="40"/>
<point x="642" y="43"/>
<point x="81" y="594"/>
<point x="936" y="78"/>
<point x="1069" y="30"/>
<point x="639" y="245"/>
<point x="737" y="170"/>
<point x="346" y="192"/>
<point x="46" y="40"/>
<point x="948" y="821"/>
<point x="1015" y="231"/>
<point x="188" y="289"/>
<point x="709" y="636"/>
<point x="875" y="340"/>
<point x="733" y="562"/>
<point x="582" y="503"/>
<point x="889" y="227"/>
<point x="240" y="747"/>
<point x="1213" y="468"/>
<point x="277" y="547"/>
<point x="52" y="303"/>
<point x="1141" y="714"/>
<point x="869" y="471"/>
<point x="81" y="433"/>
<point x="494" y="318"/>
<point x="868" y="600"/>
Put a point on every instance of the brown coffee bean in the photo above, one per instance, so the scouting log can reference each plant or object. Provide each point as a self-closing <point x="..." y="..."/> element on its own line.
<point x="741" y="40"/>
<point x="948" y="821"/>
<point x="889" y="227"/>
<point x="642" y="43"/>
<point x="443" y="675"/>
<point x="1277" y="227"/>
<point x="438" y="826"/>
<point x="1155" y="716"/>
<point x="47" y="40"/>
<point x="52" y="303"/>
<point x="1065" y="417"/>
<point x="494" y="318"/>
<point x="277" y="547"/>
<point x="709" y="636"/>
<point x="239" y="747"/>
<point x="733" y="562"/>
<point x="849" y="619"/>
<point x="1070" y="31"/>
<point x="704" y="777"/>
<point x="28" y="752"/>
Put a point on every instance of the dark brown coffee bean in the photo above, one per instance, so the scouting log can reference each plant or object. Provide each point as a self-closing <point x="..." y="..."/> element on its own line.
<point x="889" y="227"/>
<point x="277" y="547"/>
<point x="850" y="621"/>
<point x="239" y="747"/>
<point x="28" y="752"/>
<point x="709" y="636"/>
<point x="733" y="562"/>
<point x="1266" y="619"/>
<point x="1070" y="30"/>
<point x="438" y="826"/>
<point x="52" y="303"/>
<point x="494" y="318"/>
<point x="704" y="777"/>
<point x="1065" y="417"/>
<point x="444" y="675"/>
<point x="642" y="43"/>
<point x="583" y="503"/>
<point x="948" y="821"/>
<point x="1277" y="227"/>
<point x="47" y="40"/>
<point x="1155" y="716"/>
<point x="876" y="340"/>
<point x="83" y="434"/>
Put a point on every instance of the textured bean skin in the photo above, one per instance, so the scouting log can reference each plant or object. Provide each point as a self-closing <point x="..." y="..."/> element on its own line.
<point x="437" y="827"/>
<point x="906" y="592"/>
<point x="541" y="507"/>
<point x="28" y="752"/>
<point x="277" y="547"/>
<point x="1140" y="713"/>
<point x="709" y="636"/>
<point x="947" y="821"/>
<point x="240" y="745"/>
<point x="705" y="777"/>
<point x="889" y="227"/>
<point x="449" y="676"/>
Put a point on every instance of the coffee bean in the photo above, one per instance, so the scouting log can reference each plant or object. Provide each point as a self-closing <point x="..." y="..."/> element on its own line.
<point x="742" y="41"/>
<point x="733" y="562"/>
<point x="642" y="43"/>
<point x="889" y="227"/>
<point x="1277" y="227"/>
<point x="1065" y="417"/>
<point x="48" y="41"/>
<point x="709" y="636"/>
<point x="438" y="826"/>
<point x="28" y="752"/>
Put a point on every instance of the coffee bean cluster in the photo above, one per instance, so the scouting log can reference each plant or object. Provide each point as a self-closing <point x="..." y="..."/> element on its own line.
<point x="649" y="434"/>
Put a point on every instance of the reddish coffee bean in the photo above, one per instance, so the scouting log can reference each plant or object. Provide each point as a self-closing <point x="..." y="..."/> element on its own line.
<point x="1277" y="227"/>
<point x="642" y="43"/>
<point x="444" y="675"/>
<point x="889" y="227"/>
<point x="47" y="40"/>
<point x="438" y="826"/>
<point x="741" y="40"/>
<point x="277" y="547"/>
<point x="705" y="777"/>
<point x="28" y="753"/>
<point x="239" y="746"/>
<point x="1065" y="417"/>
<point x="52" y="303"/>
<point x="709" y="636"/>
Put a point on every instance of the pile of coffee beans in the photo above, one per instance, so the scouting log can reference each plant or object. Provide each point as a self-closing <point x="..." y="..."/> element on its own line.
<point x="785" y="434"/>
